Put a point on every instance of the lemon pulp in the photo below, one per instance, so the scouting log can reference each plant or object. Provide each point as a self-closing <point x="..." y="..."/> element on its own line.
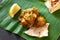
<point x="14" y="9"/>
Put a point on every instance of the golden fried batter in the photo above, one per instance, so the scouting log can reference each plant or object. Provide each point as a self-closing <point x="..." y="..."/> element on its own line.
<point x="30" y="18"/>
<point x="41" y="21"/>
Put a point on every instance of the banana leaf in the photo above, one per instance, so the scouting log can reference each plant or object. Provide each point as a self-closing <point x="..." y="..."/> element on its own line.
<point x="14" y="26"/>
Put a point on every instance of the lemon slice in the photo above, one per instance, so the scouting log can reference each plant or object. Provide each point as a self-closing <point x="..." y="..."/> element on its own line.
<point x="14" y="9"/>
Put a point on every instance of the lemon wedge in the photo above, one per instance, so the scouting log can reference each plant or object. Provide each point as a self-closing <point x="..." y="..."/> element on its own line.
<point x="14" y="9"/>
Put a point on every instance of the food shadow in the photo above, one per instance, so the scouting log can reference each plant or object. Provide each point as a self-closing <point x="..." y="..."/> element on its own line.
<point x="57" y="14"/>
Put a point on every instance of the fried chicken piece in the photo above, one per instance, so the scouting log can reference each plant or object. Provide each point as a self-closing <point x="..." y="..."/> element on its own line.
<point x="29" y="16"/>
<point x="41" y="21"/>
<point x="23" y="22"/>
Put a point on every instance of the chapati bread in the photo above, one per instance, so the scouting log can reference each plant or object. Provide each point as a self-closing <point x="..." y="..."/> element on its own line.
<point x="38" y="31"/>
<point x="55" y="6"/>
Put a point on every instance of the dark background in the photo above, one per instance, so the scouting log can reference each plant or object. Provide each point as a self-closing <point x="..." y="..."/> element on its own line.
<point x="6" y="35"/>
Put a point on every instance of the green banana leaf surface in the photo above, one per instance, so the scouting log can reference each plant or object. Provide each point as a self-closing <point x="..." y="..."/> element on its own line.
<point x="13" y="25"/>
